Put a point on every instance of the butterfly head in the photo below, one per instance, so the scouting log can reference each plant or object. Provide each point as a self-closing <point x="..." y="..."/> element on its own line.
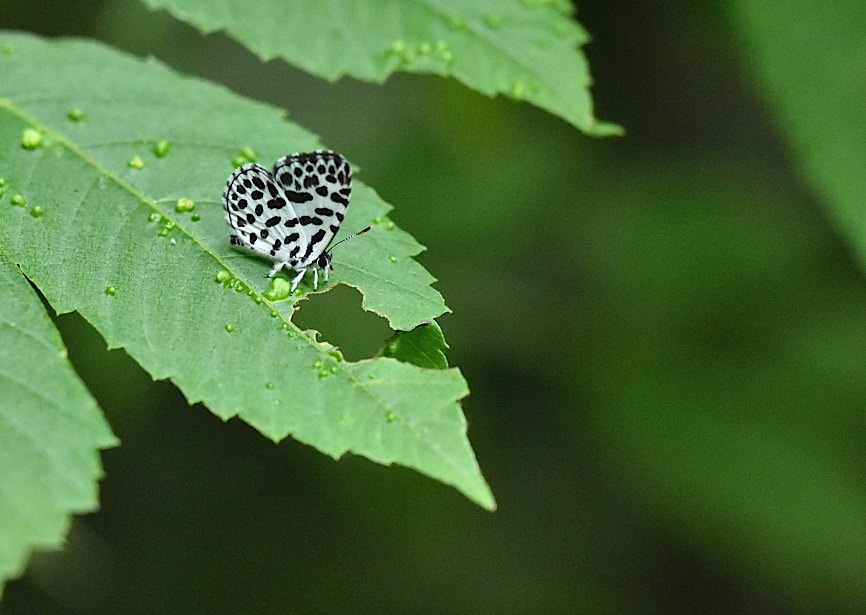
<point x="324" y="261"/>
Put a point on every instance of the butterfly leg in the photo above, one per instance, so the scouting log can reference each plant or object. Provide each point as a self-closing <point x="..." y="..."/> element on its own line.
<point x="316" y="278"/>
<point x="326" y="272"/>
<point x="297" y="280"/>
<point x="276" y="268"/>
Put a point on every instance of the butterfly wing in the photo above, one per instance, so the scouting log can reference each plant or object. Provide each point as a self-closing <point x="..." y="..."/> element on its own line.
<point x="261" y="216"/>
<point x="317" y="187"/>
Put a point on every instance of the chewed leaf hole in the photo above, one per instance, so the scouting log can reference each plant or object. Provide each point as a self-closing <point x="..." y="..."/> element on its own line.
<point x="338" y="316"/>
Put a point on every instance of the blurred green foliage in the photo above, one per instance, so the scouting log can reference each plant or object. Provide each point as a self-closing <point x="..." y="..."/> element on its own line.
<point x="663" y="335"/>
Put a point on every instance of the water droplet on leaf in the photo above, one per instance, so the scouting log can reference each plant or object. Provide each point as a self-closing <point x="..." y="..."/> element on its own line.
<point x="230" y="328"/>
<point x="37" y="211"/>
<point x="161" y="148"/>
<point x="390" y="416"/>
<point x="75" y="114"/>
<point x="8" y="49"/>
<point x="31" y="138"/>
<point x="269" y="385"/>
<point x="389" y="226"/>
<point x="184" y="205"/>
<point x="279" y="289"/>
<point x="223" y="276"/>
<point x="153" y="217"/>
<point x="195" y="217"/>
<point x="392" y="258"/>
<point x="135" y="163"/>
<point x="18" y="200"/>
<point x="110" y="290"/>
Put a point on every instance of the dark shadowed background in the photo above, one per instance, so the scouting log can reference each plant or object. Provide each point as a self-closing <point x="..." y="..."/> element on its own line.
<point x="663" y="335"/>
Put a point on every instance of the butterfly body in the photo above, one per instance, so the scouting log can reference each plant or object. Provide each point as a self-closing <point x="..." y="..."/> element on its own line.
<point x="291" y="213"/>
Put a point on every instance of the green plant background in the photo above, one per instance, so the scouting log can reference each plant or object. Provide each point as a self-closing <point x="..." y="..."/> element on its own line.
<point x="663" y="335"/>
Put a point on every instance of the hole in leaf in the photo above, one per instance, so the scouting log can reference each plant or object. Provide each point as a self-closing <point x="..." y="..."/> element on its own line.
<point x="338" y="316"/>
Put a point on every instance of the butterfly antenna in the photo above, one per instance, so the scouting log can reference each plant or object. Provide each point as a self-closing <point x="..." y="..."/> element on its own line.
<point x="361" y="232"/>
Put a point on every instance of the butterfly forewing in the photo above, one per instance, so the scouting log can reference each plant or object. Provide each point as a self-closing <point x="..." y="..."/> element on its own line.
<point x="292" y="214"/>
<point x="317" y="186"/>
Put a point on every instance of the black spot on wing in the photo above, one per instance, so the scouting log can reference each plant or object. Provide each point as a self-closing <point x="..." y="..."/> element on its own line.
<point x="298" y="197"/>
<point x="339" y="198"/>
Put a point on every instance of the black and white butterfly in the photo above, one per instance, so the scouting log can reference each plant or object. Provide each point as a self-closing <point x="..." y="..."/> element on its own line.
<point x="290" y="214"/>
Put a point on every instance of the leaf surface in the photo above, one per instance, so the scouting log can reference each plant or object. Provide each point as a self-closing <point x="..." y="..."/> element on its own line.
<point x="50" y="429"/>
<point x="525" y="50"/>
<point x="423" y="346"/>
<point x="109" y="243"/>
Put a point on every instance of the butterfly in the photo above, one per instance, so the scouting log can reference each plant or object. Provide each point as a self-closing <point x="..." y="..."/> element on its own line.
<point x="291" y="213"/>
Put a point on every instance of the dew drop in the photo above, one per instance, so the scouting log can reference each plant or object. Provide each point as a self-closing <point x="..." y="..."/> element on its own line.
<point x="317" y="365"/>
<point x="371" y="376"/>
<point x="173" y="241"/>
<point x="135" y="163"/>
<point x="377" y="220"/>
<point x="168" y="224"/>
<point x="230" y="328"/>
<point x="257" y="300"/>
<point x="239" y="161"/>
<point x="335" y="369"/>
<point x="274" y="313"/>
<point x="324" y="373"/>
<point x="285" y="326"/>
<point x="444" y="51"/>
<point x="397" y="47"/>
<point x="269" y="385"/>
<point x="161" y="148"/>
<point x="390" y="416"/>
<point x="184" y="205"/>
<point x="3" y="181"/>
<point x="223" y="276"/>
<point x="425" y="48"/>
<point x="298" y="292"/>
<point x="195" y="217"/>
<point x="389" y="225"/>
<point x="493" y="20"/>
<point x="518" y="89"/>
<point x="31" y="138"/>
<point x="163" y="232"/>
<point x="393" y="347"/>
<point x="37" y="211"/>
<point x="75" y="114"/>
<point x="154" y="217"/>
<point x="392" y="258"/>
<point x="8" y="49"/>
<point x="110" y="290"/>
<point x="18" y="200"/>
<point x="279" y="289"/>
<point x="291" y="334"/>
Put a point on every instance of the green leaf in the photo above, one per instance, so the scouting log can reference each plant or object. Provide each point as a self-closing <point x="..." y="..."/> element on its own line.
<point x="422" y="346"/>
<point x="811" y="62"/>
<point x="109" y="243"/>
<point x="526" y="50"/>
<point x="50" y="429"/>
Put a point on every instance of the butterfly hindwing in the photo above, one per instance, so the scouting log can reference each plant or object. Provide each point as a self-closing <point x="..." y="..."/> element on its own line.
<point x="260" y="215"/>
<point x="317" y="187"/>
